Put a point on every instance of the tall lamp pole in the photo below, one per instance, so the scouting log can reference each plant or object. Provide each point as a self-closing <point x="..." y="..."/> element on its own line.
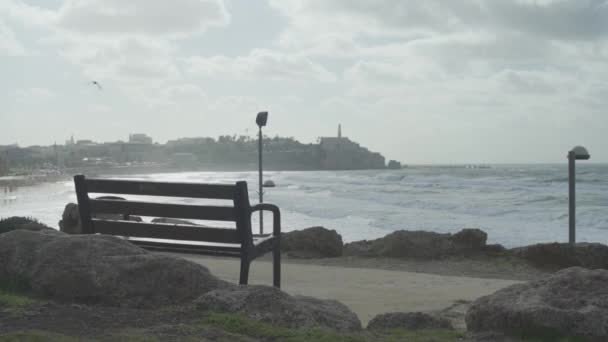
<point x="577" y="153"/>
<point x="261" y="120"/>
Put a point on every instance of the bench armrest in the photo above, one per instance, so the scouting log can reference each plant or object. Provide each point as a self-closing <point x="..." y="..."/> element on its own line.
<point x="276" y="216"/>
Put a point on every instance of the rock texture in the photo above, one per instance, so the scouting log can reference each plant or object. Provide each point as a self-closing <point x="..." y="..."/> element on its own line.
<point x="421" y="244"/>
<point x="97" y="269"/>
<point x="315" y="242"/>
<point x="408" y="320"/>
<point x="272" y="305"/>
<point x="21" y="223"/>
<point x="562" y="255"/>
<point x="70" y="219"/>
<point x="570" y="303"/>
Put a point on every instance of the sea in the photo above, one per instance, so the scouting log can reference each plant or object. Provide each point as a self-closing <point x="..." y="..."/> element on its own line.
<point x="515" y="204"/>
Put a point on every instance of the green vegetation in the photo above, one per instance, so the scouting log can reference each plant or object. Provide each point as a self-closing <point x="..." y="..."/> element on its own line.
<point x="237" y="327"/>
<point x="419" y="336"/>
<point x="241" y="325"/>
<point x="556" y="339"/>
<point x="43" y="336"/>
<point x="37" y="336"/>
<point x="13" y="300"/>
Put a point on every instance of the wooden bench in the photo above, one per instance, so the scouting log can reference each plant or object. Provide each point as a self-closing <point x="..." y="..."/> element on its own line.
<point x="234" y="242"/>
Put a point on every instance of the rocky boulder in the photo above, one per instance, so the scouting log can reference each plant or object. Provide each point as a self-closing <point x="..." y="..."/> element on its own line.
<point x="469" y="239"/>
<point x="556" y="256"/>
<point x="315" y="242"/>
<point x="570" y="303"/>
<point x="408" y="320"/>
<point x="274" y="306"/>
<point x="21" y="223"/>
<point x="97" y="269"/>
<point x="70" y="219"/>
<point x="421" y="244"/>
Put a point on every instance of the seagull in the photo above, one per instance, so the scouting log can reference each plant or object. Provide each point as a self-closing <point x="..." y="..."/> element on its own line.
<point x="96" y="84"/>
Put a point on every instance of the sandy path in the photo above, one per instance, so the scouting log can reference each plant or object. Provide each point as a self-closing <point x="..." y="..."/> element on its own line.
<point x="366" y="291"/>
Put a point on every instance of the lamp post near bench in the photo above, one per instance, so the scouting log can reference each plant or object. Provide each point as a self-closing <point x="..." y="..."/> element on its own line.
<point x="261" y="120"/>
<point x="577" y="153"/>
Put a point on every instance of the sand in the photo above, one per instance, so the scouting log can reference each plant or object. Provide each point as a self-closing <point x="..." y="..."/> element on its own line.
<point x="366" y="291"/>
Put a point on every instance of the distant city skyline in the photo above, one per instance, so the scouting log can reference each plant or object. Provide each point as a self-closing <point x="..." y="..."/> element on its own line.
<point x="423" y="82"/>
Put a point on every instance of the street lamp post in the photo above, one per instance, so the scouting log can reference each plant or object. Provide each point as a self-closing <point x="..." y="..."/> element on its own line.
<point x="577" y="153"/>
<point x="261" y="120"/>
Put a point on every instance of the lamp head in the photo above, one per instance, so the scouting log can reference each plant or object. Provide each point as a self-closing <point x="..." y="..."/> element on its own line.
<point x="580" y="153"/>
<point x="261" y="119"/>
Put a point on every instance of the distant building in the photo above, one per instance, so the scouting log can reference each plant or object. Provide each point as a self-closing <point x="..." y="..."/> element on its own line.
<point x="8" y="147"/>
<point x="70" y="142"/>
<point x="140" y="138"/>
<point x="340" y="153"/>
<point x="394" y="165"/>
<point x="190" y="141"/>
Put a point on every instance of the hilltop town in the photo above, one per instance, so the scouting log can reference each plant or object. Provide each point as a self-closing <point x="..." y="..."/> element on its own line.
<point x="201" y="153"/>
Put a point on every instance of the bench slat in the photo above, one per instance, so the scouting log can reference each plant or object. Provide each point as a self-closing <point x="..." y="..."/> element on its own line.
<point x="190" y="249"/>
<point x="135" y="187"/>
<point x="166" y="231"/>
<point x="181" y="211"/>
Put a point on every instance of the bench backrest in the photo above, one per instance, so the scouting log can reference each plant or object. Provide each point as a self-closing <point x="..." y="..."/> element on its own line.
<point x="91" y="208"/>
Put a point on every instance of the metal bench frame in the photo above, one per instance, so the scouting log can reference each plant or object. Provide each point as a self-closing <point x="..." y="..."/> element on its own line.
<point x="239" y="242"/>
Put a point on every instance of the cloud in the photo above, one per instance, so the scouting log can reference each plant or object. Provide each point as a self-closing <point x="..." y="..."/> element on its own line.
<point x="9" y="44"/>
<point x="33" y="95"/>
<point x="557" y="19"/>
<point x="141" y="17"/>
<point x="262" y="65"/>
<point x="129" y="46"/>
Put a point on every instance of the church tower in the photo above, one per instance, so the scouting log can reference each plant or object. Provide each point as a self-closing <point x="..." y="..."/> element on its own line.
<point x="339" y="130"/>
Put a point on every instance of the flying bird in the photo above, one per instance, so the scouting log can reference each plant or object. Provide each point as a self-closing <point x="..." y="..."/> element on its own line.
<point x="95" y="83"/>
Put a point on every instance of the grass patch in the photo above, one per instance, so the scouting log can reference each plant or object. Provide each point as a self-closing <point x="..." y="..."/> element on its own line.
<point x="14" y="293"/>
<point x="420" y="335"/>
<point x="554" y="339"/>
<point x="43" y="336"/>
<point x="238" y="324"/>
<point x="38" y="336"/>
<point x="14" y="300"/>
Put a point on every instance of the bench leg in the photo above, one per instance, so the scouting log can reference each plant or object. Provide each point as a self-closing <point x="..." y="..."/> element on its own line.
<point x="276" y="267"/>
<point x="244" y="277"/>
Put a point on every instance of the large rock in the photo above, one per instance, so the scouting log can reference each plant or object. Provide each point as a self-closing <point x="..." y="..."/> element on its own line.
<point x="99" y="269"/>
<point x="315" y="242"/>
<point x="569" y="303"/>
<point x="272" y="305"/>
<point x="563" y="255"/>
<point x="26" y="223"/>
<point x="70" y="219"/>
<point x="469" y="239"/>
<point x="421" y="244"/>
<point x="409" y="321"/>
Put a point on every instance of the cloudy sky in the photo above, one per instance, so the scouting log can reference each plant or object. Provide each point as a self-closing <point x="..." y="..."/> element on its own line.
<point x="435" y="81"/>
